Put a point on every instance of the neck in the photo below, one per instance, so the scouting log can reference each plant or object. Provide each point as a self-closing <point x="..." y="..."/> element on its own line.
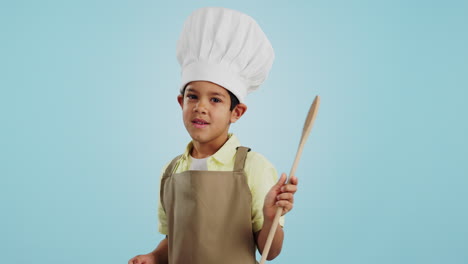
<point x="203" y="150"/>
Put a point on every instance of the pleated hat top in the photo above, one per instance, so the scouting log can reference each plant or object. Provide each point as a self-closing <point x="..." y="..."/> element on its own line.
<point x="225" y="47"/>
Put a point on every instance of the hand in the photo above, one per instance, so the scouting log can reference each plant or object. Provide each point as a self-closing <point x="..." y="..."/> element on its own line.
<point x="143" y="259"/>
<point x="280" y="195"/>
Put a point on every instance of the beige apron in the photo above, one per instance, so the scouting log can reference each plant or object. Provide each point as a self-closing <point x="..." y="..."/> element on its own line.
<point x="209" y="215"/>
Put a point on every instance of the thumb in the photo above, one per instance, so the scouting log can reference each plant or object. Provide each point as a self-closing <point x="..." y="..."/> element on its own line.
<point x="281" y="180"/>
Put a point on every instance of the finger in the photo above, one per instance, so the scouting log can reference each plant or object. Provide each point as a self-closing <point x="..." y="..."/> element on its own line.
<point x="293" y="180"/>
<point x="286" y="210"/>
<point x="287" y="206"/>
<point x="284" y="204"/>
<point x="281" y="180"/>
<point x="289" y="188"/>
<point x="285" y="197"/>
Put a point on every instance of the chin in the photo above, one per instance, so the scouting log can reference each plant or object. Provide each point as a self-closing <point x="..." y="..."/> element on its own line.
<point x="198" y="137"/>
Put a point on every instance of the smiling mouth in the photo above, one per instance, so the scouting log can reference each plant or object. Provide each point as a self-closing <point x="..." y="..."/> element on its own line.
<point x="199" y="123"/>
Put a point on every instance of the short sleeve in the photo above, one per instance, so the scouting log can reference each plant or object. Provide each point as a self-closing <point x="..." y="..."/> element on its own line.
<point x="162" y="219"/>
<point x="261" y="176"/>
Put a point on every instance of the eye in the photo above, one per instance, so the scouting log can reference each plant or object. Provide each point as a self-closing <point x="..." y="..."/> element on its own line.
<point x="215" y="100"/>
<point x="191" y="96"/>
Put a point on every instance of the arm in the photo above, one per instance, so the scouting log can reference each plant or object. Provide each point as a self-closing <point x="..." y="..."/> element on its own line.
<point x="161" y="252"/>
<point x="276" y="244"/>
<point x="157" y="256"/>
<point x="280" y="195"/>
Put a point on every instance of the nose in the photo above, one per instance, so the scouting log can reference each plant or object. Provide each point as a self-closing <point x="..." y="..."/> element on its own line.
<point x="200" y="107"/>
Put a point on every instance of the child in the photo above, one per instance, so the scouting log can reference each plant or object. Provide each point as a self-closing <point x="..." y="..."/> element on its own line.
<point x="218" y="199"/>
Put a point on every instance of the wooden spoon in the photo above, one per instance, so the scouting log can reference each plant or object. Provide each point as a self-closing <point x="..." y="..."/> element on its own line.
<point x="305" y="133"/>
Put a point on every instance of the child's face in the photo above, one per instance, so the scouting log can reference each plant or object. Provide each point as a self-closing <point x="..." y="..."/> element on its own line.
<point x="205" y="108"/>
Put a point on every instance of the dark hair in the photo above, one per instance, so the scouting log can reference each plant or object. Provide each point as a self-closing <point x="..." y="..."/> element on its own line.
<point x="234" y="100"/>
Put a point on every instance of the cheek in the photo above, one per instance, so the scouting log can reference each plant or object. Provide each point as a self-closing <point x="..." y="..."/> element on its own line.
<point x="221" y="117"/>
<point x="185" y="113"/>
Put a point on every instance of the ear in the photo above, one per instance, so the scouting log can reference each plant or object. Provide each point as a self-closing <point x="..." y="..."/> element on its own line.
<point x="180" y="99"/>
<point x="237" y="112"/>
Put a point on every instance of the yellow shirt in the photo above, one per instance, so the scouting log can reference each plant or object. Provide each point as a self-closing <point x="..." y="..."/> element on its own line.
<point x="260" y="173"/>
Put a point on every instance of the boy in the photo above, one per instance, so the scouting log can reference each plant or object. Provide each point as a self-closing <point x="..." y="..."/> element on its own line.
<point x="218" y="199"/>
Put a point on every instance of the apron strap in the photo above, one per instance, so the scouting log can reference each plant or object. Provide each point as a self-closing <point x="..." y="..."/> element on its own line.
<point x="241" y="155"/>
<point x="168" y="172"/>
<point x="170" y="168"/>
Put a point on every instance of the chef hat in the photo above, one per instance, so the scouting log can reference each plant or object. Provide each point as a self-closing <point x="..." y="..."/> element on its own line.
<point x="225" y="47"/>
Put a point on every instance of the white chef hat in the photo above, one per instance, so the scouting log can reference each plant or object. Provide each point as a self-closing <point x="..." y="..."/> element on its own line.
<point x="225" y="47"/>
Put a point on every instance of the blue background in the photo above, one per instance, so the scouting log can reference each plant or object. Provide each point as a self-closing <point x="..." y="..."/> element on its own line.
<point x="88" y="117"/>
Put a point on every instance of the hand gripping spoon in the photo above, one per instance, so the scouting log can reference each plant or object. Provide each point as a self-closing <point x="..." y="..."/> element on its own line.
<point x="305" y="133"/>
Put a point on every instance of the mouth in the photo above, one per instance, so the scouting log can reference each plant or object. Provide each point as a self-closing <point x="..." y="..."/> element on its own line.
<point x="199" y="123"/>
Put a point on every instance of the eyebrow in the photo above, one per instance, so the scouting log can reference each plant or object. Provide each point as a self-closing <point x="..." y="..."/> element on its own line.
<point x="218" y="94"/>
<point x="213" y="93"/>
<point x="191" y="90"/>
